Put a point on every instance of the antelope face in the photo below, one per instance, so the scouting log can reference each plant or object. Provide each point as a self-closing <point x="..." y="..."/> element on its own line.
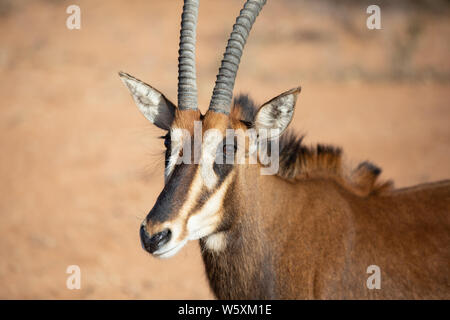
<point x="203" y="158"/>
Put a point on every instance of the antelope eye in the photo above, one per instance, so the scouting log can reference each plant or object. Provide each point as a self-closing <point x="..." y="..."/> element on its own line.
<point x="229" y="149"/>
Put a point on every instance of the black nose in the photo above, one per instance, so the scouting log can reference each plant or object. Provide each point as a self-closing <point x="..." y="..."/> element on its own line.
<point x="156" y="241"/>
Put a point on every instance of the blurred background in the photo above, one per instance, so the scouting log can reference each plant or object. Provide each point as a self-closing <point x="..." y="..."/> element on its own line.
<point x="80" y="167"/>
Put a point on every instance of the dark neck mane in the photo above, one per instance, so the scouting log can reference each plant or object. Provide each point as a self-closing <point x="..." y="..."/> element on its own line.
<point x="298" y="162"/>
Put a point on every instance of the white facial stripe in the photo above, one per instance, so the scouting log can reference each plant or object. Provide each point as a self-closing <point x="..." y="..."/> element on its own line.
<point x="216" y="242"/>
<point x="188" y="205"/>
<point x="211" y="141"/>
<point x="205" y="221"/>
<point x="176" y="136"/>
<point x="194" y="192"/>
<point x="175" y="244"/>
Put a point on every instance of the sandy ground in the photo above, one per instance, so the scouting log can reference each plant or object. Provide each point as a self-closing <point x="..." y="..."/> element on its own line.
<point x="80" y="167"/>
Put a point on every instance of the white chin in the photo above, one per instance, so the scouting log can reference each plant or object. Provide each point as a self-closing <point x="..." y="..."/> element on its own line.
<point x="164" y="253"/>
<point x="201" y="233"/>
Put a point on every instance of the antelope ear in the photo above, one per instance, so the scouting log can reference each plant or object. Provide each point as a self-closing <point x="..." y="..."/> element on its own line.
<point x="152" y="103"/>
<point x="277" y="113"/>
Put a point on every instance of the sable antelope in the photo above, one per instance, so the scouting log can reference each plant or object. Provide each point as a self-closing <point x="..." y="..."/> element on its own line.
<point x="309" y="231"/>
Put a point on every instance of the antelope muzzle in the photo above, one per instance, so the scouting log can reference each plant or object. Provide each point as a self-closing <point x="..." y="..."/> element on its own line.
<point x="152" y="243"/>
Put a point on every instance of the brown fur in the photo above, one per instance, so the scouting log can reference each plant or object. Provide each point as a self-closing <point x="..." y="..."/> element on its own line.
<point x="214" y="120"/>
<point x="184" y="119"/>
<point x="311" y="232"/>
<point x="315" y="239"/>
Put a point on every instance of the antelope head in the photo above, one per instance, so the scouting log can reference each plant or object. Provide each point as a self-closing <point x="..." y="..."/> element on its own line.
<point x="192" y="204"/>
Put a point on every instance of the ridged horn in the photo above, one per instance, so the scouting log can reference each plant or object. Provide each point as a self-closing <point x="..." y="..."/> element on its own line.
<point x="187" y="79"/>
<point x="223" y="90"/>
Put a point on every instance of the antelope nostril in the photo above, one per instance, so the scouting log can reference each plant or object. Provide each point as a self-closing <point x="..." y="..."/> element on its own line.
<point x="156" y="241"/>
<point x="162" y="236"/>
<point x="145" y="237"/>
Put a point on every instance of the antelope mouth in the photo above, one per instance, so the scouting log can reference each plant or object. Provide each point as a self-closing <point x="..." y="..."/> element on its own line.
<point x="167" y="253"/>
